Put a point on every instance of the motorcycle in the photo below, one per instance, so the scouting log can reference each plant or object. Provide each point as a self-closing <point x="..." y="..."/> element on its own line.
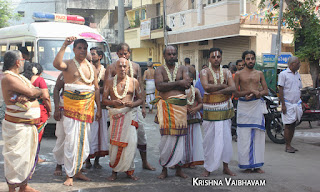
<point x="309" y="113"/>
<point x="273" y="121"/>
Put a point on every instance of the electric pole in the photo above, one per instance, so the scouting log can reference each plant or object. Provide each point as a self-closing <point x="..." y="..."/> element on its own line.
<point x="165" y="24"/>
<point x="278" y="39"/>
<point x="120" y="21"/>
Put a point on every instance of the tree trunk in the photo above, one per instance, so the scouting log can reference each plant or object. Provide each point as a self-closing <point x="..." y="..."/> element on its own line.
<point x="314" y="70"/>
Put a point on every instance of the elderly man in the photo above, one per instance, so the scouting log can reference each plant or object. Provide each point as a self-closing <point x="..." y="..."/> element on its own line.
<point x="123" y="51"/>
<point x="250" y="115"/>
<point x="148" y="77"/>
<point x="119" y="93"/>
<point x="19" y="132"/>
<point x="80" y="90"/>
<point x="289" y="82"/>
<point x="171" y="81"/>
<point x="217" y="113"/>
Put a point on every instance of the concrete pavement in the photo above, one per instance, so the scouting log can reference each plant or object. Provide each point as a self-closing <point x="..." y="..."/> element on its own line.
<point x="284" y="171"/>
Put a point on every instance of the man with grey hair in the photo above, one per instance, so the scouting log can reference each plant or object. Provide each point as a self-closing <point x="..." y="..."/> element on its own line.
<point x="289" y="82"/>
<point x="148" y="77"/>
<point x="19" y="129"/>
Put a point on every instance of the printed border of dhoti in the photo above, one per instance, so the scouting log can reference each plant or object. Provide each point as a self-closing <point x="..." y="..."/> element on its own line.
<point x="78" y="116"/>
<point x="193" y="121"/>
<point x="257" y="165"/>
<point x="252" y="126"/>
<point x="119" y="153"/>
<point x="13" y="119"/>
<point x="174" y="132"/>
<point x="218" y="115"/>
<point x="41" y="127"/>
<point x="82" y="132"/>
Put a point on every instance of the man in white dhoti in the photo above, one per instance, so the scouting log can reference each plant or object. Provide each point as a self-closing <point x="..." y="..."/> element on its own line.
<point x="119" y="94"/>
<point x="58" y="150"/>
<point x="250" y="118"/>
<point x="194" y="154"/>
<point x="123" y="51"/>
<point x="19" y="130"/>
<point x="171" y="81"/>
<point x="148" y="77"/>
<point x="289" y="82"/>
<point x="81" y="89"/>
<point x="98" y="137"/>
<point x="217" y="113"/>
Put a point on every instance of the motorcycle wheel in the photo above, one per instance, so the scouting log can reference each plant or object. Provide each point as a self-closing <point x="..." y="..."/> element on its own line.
<point x="275" y="130"/>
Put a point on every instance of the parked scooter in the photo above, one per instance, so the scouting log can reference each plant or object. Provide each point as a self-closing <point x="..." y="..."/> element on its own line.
<point x="273" y="121"/>
<point x="309" y="113"/>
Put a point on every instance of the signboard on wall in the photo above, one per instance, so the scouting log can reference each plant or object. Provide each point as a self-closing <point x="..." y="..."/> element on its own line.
<point x="269" y="69"/>
<point x="145" y="29"/>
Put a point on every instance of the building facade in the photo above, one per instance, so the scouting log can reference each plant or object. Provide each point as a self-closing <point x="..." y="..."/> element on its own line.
<point x="198" y="25"/>
<point x="145" y="34"/>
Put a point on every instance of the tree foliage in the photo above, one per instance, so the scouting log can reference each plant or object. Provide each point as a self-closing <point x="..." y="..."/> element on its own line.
<point x="303" y="19"/>
<point x="6" y="13"/>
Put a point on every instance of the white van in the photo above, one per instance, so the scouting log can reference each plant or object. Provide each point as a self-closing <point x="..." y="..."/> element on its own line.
<point x="43" y="40"/>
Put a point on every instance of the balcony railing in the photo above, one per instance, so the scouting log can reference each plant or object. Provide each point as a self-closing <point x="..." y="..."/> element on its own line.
<point x="157" y="23"/>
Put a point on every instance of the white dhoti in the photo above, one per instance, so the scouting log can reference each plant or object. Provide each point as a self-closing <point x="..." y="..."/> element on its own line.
<point x="76" y="145"/>
<point x="217" y="143"/>
<point x="58" y="150"/>
<point x="123" y="140"/>
<point x="294" y="113"/>
<point x="172" y="118"/>
<point x="79" y="112"/>
<point x="251" y="133"/>
<point x="150" y="92"/>
<point x="98" y="137"/>
<point x="20" y="138"/>
<point x="141" y="133"/>
<point x="171" y="150"/>
<point x="194" y="154"/>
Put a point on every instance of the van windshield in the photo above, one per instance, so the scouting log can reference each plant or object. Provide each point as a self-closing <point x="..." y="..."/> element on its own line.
<point x="48" y="49"/>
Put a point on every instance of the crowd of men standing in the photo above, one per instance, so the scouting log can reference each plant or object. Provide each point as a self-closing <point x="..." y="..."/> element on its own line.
<point x="87" y="96"/>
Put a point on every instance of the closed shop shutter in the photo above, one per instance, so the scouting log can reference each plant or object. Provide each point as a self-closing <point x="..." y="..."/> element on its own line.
<point x="232" y="48"/>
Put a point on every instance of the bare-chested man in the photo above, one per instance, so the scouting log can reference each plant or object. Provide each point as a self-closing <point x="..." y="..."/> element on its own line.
<point x="250" y="118"/>
<point x="123" y="136"/>
<point x="99" y="129"/>
<point x="148" y="77"/>
<point x="217" y="113"/>
<point x="19" y="132"/>
<point x="171" y="81"/>
<point x="58" y="150"/>
<point x="123" y="51"/>
<point x="81" y="89"/>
